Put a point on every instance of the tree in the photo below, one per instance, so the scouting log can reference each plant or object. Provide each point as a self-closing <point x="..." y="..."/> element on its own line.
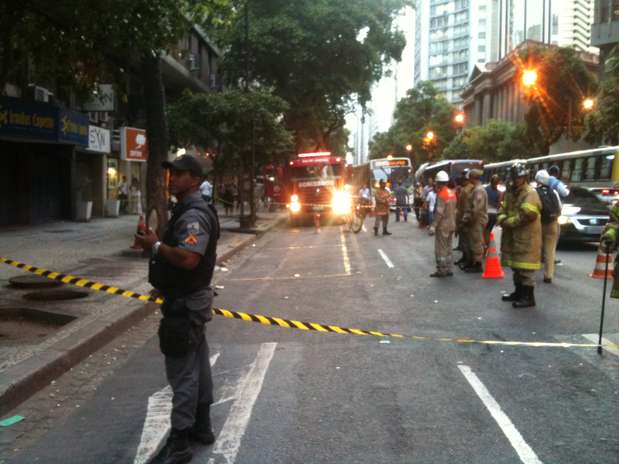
<point x="314" y="55"/>
<point x="563" y="82"/>
<point x="76" y="43"/>
<point x="423" y="109"/>
<point x="603" y="123"/>
<point x="497" y="141"/>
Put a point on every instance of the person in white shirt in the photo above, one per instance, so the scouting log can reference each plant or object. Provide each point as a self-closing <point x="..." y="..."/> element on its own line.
<point x="206" y="190"/>
<point x="431" y="202"/>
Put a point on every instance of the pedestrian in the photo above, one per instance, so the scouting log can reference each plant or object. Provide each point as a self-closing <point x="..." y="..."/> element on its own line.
<point x="181" y="269"/>
<point x="609" y="244"/>
<point x="418" y="201"/>
<point x="123" y="194"/>
<point x="521" y="245"/>
<point x="227" y="198"/>
<point x="551" y="210"/>
<point x="495" y="196"/>
<point x="463" y="230"/>
<point x="431" y="204"/>
<point x="554" y="181"/>
<point x="475" y="219"/>
<point x="443" y="226"/>
<point x="381" y="198"/>
<point x="401" y="202"/>
<point x="206" y="190"/>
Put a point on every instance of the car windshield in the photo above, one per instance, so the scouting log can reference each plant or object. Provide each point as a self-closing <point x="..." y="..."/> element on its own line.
<point x="584" y="199"/>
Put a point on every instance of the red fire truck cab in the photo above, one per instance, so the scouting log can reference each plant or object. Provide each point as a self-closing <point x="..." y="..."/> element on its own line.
<point x="315" y="184"/>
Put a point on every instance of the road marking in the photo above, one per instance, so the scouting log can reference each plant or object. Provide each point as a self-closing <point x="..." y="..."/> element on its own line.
<point x="606" y="343"/>
<point x="229" y="440"/>
<point x="322" y="276"/>
<point x="385" y="258"/>
<point x="345" y="251"/>
<point x="526" y="454"/>
<point x="157" y="422"/>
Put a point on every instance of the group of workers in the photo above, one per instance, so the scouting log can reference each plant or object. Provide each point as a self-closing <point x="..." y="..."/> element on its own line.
<point x="528" y="218"/>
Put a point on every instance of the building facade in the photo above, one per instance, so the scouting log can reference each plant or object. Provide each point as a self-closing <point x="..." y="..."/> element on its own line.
<point x="605" y="28"/>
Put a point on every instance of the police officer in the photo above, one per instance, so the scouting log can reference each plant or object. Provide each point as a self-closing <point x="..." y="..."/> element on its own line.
<point x="521" y="241"/>
<point x="475" y="219"/>
<point x="443" y="226"/>
<point x="181" y="269"/>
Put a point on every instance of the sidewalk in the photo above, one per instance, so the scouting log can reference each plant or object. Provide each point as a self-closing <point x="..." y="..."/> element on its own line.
<point x="40" y="352"/>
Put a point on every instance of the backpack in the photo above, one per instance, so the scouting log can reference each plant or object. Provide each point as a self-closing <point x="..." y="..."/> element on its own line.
<point x="551" y="207"/>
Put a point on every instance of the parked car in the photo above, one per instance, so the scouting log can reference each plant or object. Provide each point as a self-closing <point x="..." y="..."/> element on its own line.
<point x="583" y="216"/>
<point x="608" y="195"/>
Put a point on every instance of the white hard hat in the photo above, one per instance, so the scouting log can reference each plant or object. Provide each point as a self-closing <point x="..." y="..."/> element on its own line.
<point x="442" y="176"/>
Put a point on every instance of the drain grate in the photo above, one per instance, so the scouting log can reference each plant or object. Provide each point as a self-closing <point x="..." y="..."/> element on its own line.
<point x="56" y="295"/>
<point x="27" y="326"/>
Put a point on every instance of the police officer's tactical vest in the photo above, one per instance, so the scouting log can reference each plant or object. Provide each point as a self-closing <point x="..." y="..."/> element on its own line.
<point x="175" y="282"/>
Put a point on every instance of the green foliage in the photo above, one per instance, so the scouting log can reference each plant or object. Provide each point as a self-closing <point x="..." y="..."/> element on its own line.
<point x="497" y="141"/>
<point x="556" y="100"/>
<point x="308" y="52"/>
<point x="422" y="109"/>
<point x="603" y="123"/>
<point x="222" y="121"/>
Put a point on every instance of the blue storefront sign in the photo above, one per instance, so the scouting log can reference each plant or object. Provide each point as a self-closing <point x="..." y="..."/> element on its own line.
<point x="24" y="120"/>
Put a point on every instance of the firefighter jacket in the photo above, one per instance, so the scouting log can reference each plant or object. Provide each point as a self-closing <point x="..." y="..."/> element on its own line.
<point x="445" y="213"/>
<point x="521" y="241"/>
<point x="609" y="237"/>
<point x="382" y="197"/>
<point x="463" y="200"/>
<point x="476" y="209"/>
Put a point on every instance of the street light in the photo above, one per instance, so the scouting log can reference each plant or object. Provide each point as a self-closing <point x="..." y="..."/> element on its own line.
<point x="588" y="104"/>
<point x="429" y="138"/>
<point x="529" y="78"/>
<point x="409" y="148"/>
<point x="459" y="118"/>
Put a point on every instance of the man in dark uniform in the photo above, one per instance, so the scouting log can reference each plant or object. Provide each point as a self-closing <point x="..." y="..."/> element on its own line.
<point x="181" y="269"/>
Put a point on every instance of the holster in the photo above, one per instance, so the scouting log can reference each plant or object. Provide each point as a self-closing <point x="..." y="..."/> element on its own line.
<point x="178" y="335"/>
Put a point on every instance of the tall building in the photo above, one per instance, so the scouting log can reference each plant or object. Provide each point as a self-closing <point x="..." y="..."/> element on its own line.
<point x="453" y="36"/>
<point x="605" y="29"/>
<point x="566" y="23"/>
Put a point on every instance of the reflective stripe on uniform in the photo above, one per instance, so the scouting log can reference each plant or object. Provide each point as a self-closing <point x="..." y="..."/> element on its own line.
<point x="522" y="265"/>
<point x="530" y="207"/>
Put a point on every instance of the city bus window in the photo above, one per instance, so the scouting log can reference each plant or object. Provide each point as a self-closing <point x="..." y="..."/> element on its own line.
<point x="590" y="170"/>
<point x="577" y="172"/>
<point x="566" y="171"/>
<point x="606" y="167"/>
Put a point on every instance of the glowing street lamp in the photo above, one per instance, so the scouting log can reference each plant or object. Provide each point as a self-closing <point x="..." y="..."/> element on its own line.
<point x="588" y="104"/>
<point x="529" y="78"/>
<point x="429" y="138"/>
<point x="459" y="118"/>
<point x="409" y="148"/>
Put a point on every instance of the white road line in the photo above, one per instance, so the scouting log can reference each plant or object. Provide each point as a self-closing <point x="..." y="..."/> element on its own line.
<point x="157" y="422"/>
<point x="607" y="345"/>
<point x="385" y="258"/>
<point x="526" y="454"/>
<point x="345" y="251"/>
<point x="229" y="440"/>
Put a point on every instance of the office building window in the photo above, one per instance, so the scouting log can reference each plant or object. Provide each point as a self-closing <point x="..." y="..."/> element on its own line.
<point x="481" y="35"/>
<point x="481" y="49"/>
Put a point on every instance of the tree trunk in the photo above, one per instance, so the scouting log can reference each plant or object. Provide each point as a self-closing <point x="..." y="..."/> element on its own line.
<point x="157" y="136"/>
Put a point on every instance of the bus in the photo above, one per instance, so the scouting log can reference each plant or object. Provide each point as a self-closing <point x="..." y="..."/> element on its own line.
<point x="391" y="169"/>
<point x="595" y="169"/>
<point x="454" y="168"/>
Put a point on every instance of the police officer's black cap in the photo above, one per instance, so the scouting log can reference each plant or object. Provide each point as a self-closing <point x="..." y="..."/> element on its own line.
<point x="187" y="163"/>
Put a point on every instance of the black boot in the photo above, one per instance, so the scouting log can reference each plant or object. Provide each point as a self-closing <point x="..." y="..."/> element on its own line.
<point x="179" y="451"/>
<point x="201" y="430"/>
<point x="386" y="232"/>
<point x="515" y="295"/>
<point x="375" y="231"/>
<point x="474" y="268"/>
<point x="527" y="298"/>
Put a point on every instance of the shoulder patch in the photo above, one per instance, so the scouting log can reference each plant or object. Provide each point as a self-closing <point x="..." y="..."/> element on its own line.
<point x="191" y="240"/>
<point x="193" y="228"/>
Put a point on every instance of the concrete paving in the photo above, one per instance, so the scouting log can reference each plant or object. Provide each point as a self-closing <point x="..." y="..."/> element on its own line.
<point x="99" y="251"/>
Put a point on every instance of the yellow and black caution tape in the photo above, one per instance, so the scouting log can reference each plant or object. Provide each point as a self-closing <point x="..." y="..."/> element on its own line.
<point x="278" y="321"/>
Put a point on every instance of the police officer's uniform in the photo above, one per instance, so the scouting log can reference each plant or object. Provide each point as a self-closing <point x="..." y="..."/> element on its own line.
<point x="187" y="307"/>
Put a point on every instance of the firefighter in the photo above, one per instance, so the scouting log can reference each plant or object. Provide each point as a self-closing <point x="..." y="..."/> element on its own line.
<point x="443" y="226"/>
<point x="461" y="227"/>
<point x="610" y="243"/>
<point x="475" y="218"/>
<point x="521" y="242"/>
<point x="382" y="197"/>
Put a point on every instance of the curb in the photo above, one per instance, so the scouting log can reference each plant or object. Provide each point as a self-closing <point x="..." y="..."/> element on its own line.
<point x="20" y="382"/>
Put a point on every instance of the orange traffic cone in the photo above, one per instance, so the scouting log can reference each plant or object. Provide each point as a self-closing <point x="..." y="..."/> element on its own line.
<point x="140" y="230"/>
<point x="600" y="265"/>
<point x="493" y="269"/>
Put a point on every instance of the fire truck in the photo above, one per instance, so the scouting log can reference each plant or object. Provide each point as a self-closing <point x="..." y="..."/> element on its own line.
<point x="315" y="184"/>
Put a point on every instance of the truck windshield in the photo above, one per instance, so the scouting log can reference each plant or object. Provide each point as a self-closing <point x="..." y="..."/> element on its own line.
<point x="326" y="172"/>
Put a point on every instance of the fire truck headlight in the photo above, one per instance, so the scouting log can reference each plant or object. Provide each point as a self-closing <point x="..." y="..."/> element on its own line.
<point x="295" y="207"/>
<point x="294" y="198"/>
<point x="341" y="203"/>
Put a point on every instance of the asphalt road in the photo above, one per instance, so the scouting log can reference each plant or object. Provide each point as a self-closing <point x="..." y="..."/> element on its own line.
<point x="286" y="396"/>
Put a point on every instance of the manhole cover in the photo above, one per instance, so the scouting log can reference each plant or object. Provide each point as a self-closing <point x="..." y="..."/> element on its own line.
<point x="27" y="326"/>
<point x="33" y="281"/>
<point x="56" y="294"/>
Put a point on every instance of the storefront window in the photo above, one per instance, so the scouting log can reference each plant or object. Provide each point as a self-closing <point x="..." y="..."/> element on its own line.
<point x="112" y="178"/>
